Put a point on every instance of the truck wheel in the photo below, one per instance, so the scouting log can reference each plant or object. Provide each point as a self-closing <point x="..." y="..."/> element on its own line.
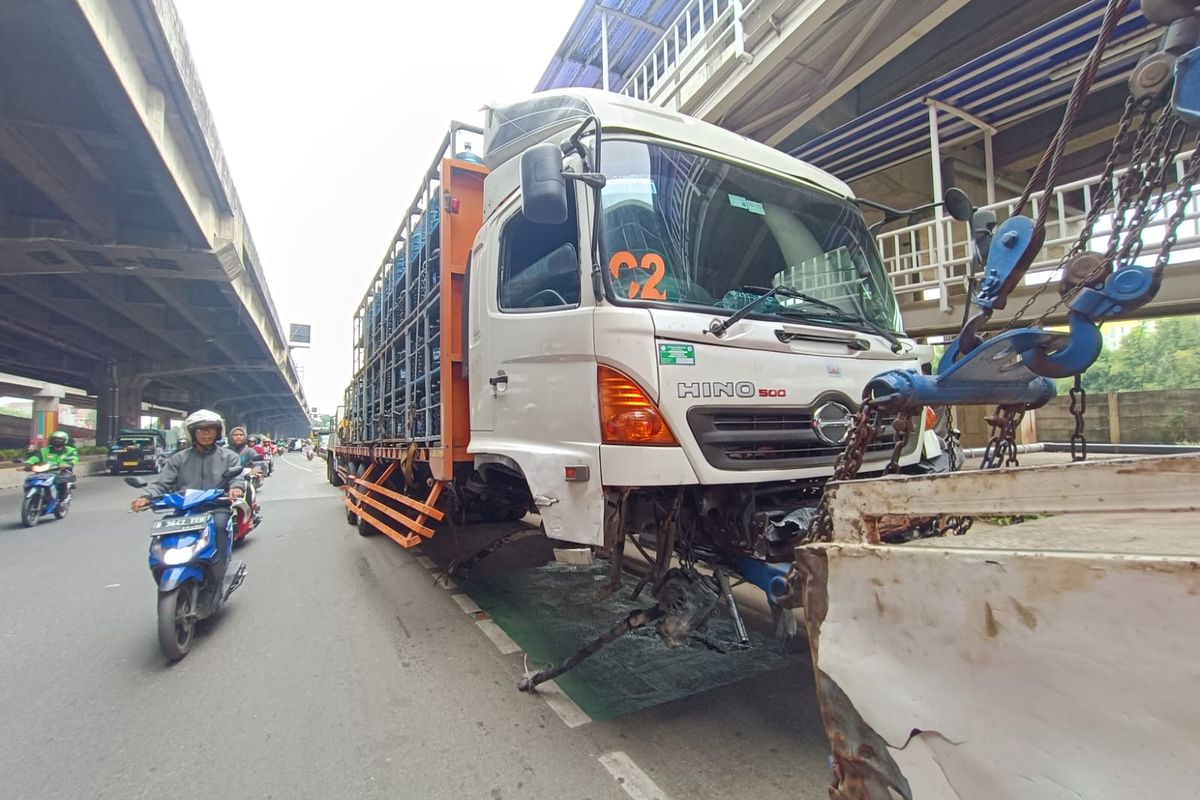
<point x="114" y="471"/>
<point x="351" y="517"/>
<point x="365" y="528"/>
<point x="176" y="621"/>
<point x="31" y="509"/>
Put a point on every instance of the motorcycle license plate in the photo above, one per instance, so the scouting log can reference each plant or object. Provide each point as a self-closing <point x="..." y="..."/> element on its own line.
<point x="177" y="524"/>
<point x="129" y="463"/>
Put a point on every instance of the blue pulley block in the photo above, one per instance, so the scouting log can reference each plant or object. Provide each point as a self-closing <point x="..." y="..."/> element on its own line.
<point x="1185" y="97"/>
<point x="1014" y="244"/>
<point x="1125" y="290"/>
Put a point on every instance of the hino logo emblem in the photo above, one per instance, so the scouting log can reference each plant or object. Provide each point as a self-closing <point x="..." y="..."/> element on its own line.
<point x="831" y="422"/>
<point x="726" y="389"/>
<point x="717" y="389"/>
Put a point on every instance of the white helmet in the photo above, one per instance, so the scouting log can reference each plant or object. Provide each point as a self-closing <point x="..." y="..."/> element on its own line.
<point x="203" y="417"/>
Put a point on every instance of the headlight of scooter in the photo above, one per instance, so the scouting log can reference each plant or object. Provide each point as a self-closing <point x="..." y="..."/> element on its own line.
<point x="183" y="552"/>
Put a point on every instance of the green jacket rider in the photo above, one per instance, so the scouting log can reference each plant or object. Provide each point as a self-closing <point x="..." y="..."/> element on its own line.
<point x="59" y="454"/>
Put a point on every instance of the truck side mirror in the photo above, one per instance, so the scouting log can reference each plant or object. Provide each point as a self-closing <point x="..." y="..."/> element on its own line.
<point x="958" y="204"/>
<point x="543" y="188"/>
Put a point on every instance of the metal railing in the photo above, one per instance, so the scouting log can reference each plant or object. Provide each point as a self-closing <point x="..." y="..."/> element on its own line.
<point x="916" y="265"/>
<point x="702" y="29"/>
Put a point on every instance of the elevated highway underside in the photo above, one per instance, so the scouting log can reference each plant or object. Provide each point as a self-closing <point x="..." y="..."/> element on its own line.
<point x="126" y="265"/>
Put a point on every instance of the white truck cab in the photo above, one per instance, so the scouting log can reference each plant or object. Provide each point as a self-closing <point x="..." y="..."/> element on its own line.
<point x="607" y="368"/>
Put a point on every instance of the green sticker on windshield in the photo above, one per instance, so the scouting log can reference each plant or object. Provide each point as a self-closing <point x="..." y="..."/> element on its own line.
<point x="679" y="355"/>
<point x="737" y="201"/>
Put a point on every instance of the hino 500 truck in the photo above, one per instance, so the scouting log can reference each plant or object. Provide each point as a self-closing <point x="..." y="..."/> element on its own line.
<point x="627" y="321"/>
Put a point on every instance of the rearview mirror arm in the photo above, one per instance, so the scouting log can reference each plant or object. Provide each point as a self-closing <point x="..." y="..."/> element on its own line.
<point x="596" y="180"/>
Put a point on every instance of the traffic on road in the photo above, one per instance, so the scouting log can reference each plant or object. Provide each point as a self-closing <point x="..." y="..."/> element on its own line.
<point x="342" y="667"/>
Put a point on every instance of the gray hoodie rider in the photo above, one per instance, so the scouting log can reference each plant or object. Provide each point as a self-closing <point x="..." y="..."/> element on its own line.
<point x="196" y="468"/>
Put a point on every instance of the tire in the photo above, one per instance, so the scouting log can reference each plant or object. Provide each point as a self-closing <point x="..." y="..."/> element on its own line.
<point x="31" y="509"/>
<point x="61" y="509"/>
<point x="114" y="471"/>
<point x="175" y="630"/>
<point x="365" y="528"/>
<point x="351" y="517"/>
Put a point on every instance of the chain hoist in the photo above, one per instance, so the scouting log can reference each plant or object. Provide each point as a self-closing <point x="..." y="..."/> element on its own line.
<point x="1014" y="368"/>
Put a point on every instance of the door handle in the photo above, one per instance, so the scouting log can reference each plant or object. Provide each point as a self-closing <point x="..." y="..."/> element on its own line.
<point x="498" y="379"/>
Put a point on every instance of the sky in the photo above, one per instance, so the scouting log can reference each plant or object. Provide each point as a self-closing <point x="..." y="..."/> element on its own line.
<point x="328" y="114"/>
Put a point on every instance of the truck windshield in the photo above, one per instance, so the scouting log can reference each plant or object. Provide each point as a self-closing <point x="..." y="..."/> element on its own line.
<point x="684" y="229"/>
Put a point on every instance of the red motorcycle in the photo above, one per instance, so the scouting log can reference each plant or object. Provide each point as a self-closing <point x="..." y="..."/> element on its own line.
<point x="247" y="512"/>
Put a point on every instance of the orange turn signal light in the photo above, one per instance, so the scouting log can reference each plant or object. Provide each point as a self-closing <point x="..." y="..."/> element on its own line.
<point x="930" y="418"/>
<point x="627" y="414"/>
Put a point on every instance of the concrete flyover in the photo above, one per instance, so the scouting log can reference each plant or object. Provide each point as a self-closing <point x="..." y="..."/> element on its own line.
<point x="126" y="263"/>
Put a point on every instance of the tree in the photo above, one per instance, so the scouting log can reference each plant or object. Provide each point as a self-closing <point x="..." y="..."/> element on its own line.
<point x="1165" y="356"/>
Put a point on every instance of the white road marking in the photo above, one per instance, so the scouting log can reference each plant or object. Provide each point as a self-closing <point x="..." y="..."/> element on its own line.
<point x="629" y="775"/>
<point x="297" y="466"/>
<point x="466" y="603"/>
<point x="503" y="643"/>
<point x="572" y="715"/>
<point x="426" y="562"/>
<point x="443" y="580"/>
<point x="112" y="586"/>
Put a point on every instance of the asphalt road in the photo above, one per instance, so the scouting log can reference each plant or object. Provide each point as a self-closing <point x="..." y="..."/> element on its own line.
<point x="339" y="669"/>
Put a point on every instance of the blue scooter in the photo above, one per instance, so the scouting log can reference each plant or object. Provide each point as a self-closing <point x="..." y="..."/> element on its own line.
<point x="183" y="549"/>
<point x="41" y="495"/>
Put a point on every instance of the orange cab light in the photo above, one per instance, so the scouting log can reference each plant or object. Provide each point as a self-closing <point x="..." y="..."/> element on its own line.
<point x="930" y="418"/>
<point x="627" y="415"/>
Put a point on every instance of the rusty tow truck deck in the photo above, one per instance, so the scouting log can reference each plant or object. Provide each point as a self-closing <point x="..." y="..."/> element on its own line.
<point x="1052" y="658"/>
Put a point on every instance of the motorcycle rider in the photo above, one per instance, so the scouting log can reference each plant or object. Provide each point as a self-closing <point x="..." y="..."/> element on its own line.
<point x="239" y="444"/>
<point x="200" y="466"/>
<point x="59" y="453"/>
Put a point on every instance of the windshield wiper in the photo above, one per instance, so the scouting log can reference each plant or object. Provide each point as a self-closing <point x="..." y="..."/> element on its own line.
<point x="718" y="328"/>
<point x="845" y="315"/>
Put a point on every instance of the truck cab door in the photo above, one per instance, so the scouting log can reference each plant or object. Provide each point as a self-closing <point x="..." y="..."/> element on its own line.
<point x="533" y="364"/>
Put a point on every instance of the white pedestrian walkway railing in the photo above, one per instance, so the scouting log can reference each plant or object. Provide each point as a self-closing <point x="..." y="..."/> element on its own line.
<point x="917" y="266"/>
<point x="705" y="30"/>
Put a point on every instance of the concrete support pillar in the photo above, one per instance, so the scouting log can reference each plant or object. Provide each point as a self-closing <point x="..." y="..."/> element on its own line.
<point x="129" y="401"/>
<point x="118" y="401"/>
<point x="45" y="414"/>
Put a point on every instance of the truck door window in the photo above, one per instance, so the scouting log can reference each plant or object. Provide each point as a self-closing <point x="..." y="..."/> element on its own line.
<point x="539" y="264"/>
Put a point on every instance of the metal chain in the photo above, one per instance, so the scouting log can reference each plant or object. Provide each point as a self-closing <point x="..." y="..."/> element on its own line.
<point x="864" y="429"/>
<point x="1134" y="208"/>
<point x="1001" y="450"/>
<point x="903" y="428"/>
<point x="1050" y="162"/>
<point x="1099" y="203"/>
<point x="1078" y="409"/>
